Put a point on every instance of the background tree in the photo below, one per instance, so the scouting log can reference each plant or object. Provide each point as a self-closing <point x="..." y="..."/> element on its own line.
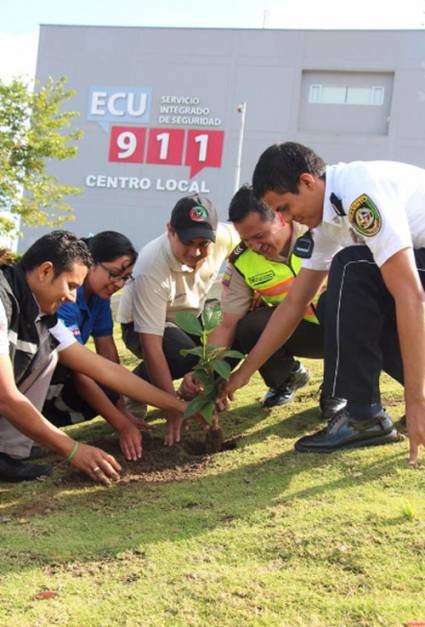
<point x="32" y="132"/>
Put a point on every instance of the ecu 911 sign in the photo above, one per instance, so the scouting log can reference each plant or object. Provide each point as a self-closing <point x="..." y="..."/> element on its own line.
<point x="166" y="146"/>
<point x="122" y="111"/>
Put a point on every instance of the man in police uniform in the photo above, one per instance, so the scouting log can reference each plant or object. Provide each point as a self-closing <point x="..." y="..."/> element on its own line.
<point x="368" y="232"/>
<point x="258" y="275"/>
<point x="174" y="272"/>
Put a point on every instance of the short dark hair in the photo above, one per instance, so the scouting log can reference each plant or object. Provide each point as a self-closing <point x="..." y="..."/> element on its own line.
<point x="244" y="202"/>
<point x="61" y="248"/>
<point x="109" y="245"/>
<point x="280" y="166"/>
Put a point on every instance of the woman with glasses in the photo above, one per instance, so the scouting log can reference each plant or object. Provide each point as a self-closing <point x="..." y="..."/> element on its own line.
<point x="73" y="396"/>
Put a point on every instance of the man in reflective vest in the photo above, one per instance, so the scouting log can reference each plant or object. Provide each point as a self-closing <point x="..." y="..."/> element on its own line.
<point x="259" y="273"/>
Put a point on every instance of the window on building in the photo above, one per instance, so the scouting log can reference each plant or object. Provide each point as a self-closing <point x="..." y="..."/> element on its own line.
<point x="343" y="94"/>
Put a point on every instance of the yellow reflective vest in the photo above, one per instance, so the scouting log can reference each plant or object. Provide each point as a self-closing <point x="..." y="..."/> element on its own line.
<point x="270" y="280"/>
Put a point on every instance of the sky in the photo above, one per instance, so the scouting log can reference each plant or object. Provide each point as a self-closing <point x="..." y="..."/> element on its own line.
<point x="20" y="19"/>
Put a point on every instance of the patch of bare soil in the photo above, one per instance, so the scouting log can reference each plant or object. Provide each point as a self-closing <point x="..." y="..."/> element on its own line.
<point x="45" y="505"/>
<point x="159" y="463"/>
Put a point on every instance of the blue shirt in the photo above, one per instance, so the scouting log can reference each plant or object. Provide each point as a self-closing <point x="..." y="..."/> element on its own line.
<point x="85" y="319"/>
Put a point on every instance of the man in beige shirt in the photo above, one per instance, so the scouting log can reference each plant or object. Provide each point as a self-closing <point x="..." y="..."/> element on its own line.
<point x="174" y="272"/>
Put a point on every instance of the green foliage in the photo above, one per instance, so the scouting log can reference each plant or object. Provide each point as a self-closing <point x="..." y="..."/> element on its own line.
<point x="8" y="257"/>
<point x="32" y="132"/>
<point x="409" y="511"/>
<point x="211" y="369"/>
<point x="189" y="323"/>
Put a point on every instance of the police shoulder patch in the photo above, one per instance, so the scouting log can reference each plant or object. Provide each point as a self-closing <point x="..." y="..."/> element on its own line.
<point x="364" y="216"/>
<point x="227" y="275"/>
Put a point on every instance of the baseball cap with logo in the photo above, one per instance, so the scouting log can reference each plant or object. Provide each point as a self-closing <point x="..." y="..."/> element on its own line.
<point x="194" y="216"/>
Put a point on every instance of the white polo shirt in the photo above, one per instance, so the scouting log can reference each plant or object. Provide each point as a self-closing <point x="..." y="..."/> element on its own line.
<point x="163" y="286"/>
<point x="384" y="206"/>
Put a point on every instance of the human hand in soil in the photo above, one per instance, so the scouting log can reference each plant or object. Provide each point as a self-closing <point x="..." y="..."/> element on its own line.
<point x="97" y="464"/>
<point x="174" y="425"/>
<point x="201" y="422"/>
<point x="189" y="387"/>
<point x="131" y="442"/>
<point x="172" y="428"/>
<point x="140" y="423"/>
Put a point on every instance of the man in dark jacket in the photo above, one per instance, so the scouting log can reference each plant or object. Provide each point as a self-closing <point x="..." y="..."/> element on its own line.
<point x="31" y="340"/>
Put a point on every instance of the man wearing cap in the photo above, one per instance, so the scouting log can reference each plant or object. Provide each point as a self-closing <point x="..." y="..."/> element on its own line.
<point x="173" y="272"/>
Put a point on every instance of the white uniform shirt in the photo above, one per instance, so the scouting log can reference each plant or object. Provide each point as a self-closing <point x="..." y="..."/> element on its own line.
<point x="384" y="203"/>
<point x="163" y="286"/>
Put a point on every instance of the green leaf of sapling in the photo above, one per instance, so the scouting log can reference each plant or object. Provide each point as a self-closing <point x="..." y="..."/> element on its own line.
<point x="188" y="322"/>
<point x="197" y="351"/>
<point x="233" y="354"/>
<point x="211" y="317"/>
<point x="222" y="368"/>
<point x="201" y="376"/>
<point x="208" y="411"/>
<point x="195" y="405"/>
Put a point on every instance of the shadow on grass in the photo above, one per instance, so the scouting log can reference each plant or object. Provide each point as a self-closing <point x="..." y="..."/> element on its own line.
<point x="64" y="520"/>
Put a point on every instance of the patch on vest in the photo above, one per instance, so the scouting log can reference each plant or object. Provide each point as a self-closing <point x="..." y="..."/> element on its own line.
<point x="364" y="216"/>
<point x="259" y="279"/>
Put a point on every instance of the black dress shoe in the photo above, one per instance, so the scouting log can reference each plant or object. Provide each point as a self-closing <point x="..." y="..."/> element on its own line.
<point x="16" y="470"/>
<point x="330" y="406"/>
<point x="280" y="396"/>
<point x="343" y="431"/>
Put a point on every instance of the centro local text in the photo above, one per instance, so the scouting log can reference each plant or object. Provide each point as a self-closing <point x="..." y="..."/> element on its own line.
<point x="132" y="182"/>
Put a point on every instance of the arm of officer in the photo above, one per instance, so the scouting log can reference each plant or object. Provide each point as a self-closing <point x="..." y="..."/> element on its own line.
<point x="114" y="376"/>
<point x="160" y="375"/>
<point x="281" y="325"/>
<point x="150" y="302"/>
<point x="19" y="410"/>
<point x="402" y="280"/>
<point x="223" y="335"/>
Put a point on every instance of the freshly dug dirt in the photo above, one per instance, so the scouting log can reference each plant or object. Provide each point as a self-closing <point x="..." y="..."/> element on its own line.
<point x="159" y="463"/>
<point x="214" y="441"/>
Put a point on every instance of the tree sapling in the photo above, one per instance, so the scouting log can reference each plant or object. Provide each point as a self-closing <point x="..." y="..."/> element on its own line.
<point x="210" y="371"/>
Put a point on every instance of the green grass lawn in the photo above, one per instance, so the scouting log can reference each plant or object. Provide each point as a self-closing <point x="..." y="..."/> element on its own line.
<point x="258" y="535"/>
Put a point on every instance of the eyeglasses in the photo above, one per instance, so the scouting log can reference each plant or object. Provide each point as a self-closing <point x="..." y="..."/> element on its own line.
<point x="117" y="277"/>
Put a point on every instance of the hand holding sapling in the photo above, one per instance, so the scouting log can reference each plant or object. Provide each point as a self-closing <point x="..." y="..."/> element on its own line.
<point x="212" y="369"/>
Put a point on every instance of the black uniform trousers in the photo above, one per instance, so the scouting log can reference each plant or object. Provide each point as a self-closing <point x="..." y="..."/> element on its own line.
<point x="360" y="329"/>
<point x="306" y="341"/>
<point x="173" y="341"/>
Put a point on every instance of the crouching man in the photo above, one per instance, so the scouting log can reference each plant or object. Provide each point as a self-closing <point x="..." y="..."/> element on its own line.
<point x="31" y="341"/>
